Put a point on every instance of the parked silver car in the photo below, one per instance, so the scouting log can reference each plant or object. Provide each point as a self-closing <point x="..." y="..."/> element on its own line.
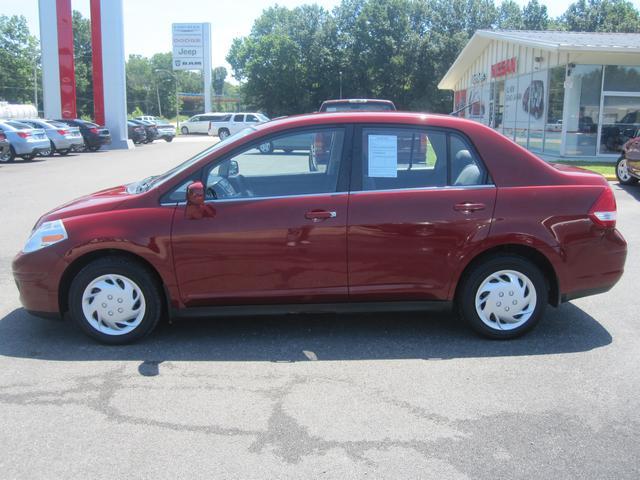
<point x="62" y="137"/>
<point x="25" y="141"/>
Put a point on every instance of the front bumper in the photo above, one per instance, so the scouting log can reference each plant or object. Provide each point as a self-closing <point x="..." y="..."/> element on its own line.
<point x="37" y="276"/>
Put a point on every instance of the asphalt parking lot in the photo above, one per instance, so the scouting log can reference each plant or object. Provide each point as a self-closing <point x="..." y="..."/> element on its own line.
<point x="333" y="396"/>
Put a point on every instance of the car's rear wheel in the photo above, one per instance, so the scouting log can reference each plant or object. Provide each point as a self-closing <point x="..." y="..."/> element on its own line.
<point x="184" y="130"/>
<point x="223" y="133"/>
<point x="503" y="297"/>
<point x="115" y="300"/>
<point x="9" y="156"/>
<point x="64" y="151"/>
<point x="48" y="152"/>
<point x="622" y="172"/>
<point x="93" y="148"/>
<point x="29" y="157"/>
<point x="168" y="139"/>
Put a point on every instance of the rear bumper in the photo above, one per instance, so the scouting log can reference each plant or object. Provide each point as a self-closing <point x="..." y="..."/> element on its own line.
<point x="32" y="146"/>
<point x="595" y="266"/>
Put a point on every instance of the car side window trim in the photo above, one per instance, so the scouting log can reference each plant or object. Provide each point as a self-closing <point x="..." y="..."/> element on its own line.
<point x="344" y="171"/>
<point x="357" y="163"/>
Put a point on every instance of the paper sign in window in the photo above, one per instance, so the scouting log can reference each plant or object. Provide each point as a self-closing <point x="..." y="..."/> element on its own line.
<point x="383" y="156"/>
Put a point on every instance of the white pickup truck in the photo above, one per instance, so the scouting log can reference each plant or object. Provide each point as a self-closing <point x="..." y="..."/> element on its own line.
<point x="233" y="123"/>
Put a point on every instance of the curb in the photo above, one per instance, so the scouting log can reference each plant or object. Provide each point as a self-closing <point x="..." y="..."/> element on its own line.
<point x="610" y="178"/>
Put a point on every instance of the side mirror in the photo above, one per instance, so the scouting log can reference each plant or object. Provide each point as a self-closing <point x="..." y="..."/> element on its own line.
<point x="195" y="193"/>
<point x="234" y="169"/>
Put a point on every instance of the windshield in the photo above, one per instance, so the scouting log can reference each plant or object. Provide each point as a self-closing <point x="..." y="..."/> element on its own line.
<point x="156" y="180"/>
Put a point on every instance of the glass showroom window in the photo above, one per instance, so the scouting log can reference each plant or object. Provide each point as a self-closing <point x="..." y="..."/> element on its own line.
<point x="620" y="107"/>
<point x="583" y="89"/>
<point x="553" y="127"/>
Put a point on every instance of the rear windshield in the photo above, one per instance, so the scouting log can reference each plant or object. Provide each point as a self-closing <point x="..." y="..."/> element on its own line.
<point x="18" y="125"/>
<point x="357" y="106"/>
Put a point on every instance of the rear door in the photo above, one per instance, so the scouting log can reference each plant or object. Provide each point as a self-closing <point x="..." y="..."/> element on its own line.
<point x="237" y="123"/>
<point x="421" y="201"/>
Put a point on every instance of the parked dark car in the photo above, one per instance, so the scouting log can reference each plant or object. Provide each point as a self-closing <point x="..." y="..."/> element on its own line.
<point x="136" y="132"/>
<point x="357" y="105"/>
<point x="94" y="135"/>
<point x="150" y="129"/>
<point x="628" y="166"/>
<point x="471" y="220"/>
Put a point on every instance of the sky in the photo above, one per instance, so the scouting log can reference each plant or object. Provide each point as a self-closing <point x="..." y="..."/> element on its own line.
<point x="147" y="23"/>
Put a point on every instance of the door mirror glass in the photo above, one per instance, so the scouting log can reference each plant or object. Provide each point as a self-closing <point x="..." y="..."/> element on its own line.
<point x="234" y="168"/>
<point x="195" y="193"/>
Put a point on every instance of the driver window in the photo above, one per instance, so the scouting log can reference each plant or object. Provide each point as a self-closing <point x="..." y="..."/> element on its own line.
<point x="299" y="163"/>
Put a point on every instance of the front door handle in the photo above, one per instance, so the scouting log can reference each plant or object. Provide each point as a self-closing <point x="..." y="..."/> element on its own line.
<point x="317" y="215"/>
<point x="468" y="207"/>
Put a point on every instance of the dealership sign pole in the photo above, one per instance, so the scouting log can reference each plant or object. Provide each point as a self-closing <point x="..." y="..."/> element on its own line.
<point x="192" y="51"/>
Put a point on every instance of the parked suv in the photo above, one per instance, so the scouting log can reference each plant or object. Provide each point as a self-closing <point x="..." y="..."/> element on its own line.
<point x="357" y="104"/>
<point x="200" y="123"/>
<point x="409" y="211"/>
<point x="94" y="135"/>
<point x="26" y="142"/>
<point x="628" y="166"/>
<point x="233" y="123"/>
<point x="62" y="138"/>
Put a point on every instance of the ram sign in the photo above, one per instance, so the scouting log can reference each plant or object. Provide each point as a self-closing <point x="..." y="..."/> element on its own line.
<point x="189" y="46"/>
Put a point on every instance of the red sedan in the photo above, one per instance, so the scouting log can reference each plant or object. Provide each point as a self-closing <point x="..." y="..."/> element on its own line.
<point x="405" y="211"/>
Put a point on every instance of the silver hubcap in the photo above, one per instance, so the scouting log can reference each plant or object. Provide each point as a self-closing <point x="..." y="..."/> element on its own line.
<point x="506" y="300"/>
<point x="265" y="148"/>
<point x="623" y="172"/>
<point x="223" y="134"/>
<point x="113" y="304"/>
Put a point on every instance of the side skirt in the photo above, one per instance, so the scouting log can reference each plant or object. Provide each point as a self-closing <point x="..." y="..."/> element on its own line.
<point x="359" y="307"/>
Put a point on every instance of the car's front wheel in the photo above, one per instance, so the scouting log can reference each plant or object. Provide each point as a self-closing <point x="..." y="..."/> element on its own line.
<point x="184" y="130"/>
<point x="622" y="172"/>
<point x="503" y="296"/>
<point x="115" y="300"/>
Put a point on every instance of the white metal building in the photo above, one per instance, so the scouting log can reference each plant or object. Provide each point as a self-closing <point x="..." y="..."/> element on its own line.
<point x="569" y="94"/>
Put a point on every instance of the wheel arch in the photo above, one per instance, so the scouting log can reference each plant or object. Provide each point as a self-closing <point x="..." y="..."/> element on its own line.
<point x="82" y="261"/>
<point x="532" y="254"/>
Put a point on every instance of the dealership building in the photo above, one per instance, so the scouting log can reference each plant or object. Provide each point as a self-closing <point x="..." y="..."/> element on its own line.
<point x="562" y="94"/>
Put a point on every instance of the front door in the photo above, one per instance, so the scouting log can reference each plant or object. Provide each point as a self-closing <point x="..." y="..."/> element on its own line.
<point x="271" y="230"/>
<point x="424" y="200"/>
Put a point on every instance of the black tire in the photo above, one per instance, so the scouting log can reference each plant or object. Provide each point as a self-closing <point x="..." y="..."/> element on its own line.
<point x="9" y="157"/>
<point x="29" y="157"/>
<point x="266" y="147"/>
<point x="132" y="270"/>
<point x="475" y="277"/>
<point x="620" y="168"/>
<point x="184" y="131"/>
<point x="93" y="148"/>
<point x="168" y="139"/>
<point x="64" y="152"/>
<point x="223" y="133"/>
<point x="48" y="152"/>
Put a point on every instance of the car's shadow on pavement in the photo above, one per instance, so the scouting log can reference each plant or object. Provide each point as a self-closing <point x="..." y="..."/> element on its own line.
<point x="293" y="338"/>
<point x="633" y="190"/>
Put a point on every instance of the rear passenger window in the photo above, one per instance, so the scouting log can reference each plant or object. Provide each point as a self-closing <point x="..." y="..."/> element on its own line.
<point x="238" y="118"/>
<point x="466" y="169"/>
<point x="403" y="158"/>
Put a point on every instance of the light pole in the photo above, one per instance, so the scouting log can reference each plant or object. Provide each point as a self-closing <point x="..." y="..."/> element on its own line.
<point x="341" y="84"/>
<point x="175" y="77"/>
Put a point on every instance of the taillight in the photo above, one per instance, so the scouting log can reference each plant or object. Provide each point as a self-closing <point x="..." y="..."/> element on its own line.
<point x="63" y="132"/>
<point x="604" y="211"/>
<point x="93" y="130"/>
<point x="24" y="134"/>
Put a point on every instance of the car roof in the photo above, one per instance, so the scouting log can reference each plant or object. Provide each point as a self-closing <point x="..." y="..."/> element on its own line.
<point x="358" y="100"/>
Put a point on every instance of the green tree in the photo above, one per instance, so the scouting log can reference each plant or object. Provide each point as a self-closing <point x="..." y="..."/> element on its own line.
<point x="82" y="55"/>
<point x="602" y="16"/>
<point x="510" y="16"/>
<point x="19" y="59"/>
<point x="534" y="16"/>
<point x="218" y="77"/>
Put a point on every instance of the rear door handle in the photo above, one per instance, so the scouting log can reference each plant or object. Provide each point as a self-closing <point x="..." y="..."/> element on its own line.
<point x="469" y="207"/>
<point x="319" y="215"/>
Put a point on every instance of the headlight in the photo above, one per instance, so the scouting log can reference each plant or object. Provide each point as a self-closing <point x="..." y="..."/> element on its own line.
<point x="45" y="235"/>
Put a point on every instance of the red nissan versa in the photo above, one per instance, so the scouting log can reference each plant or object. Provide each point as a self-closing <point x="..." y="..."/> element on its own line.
<point x="407" y="211"/>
